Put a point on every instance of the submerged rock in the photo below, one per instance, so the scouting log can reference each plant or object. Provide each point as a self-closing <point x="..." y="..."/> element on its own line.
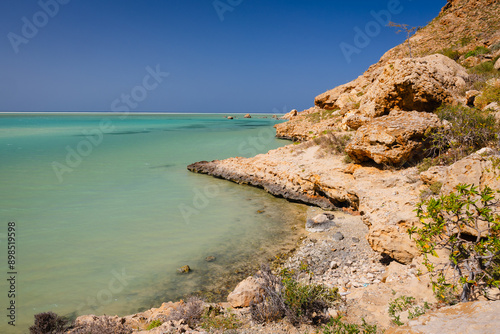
<point x="210" y="258"/>
<point x="184" y="269"/>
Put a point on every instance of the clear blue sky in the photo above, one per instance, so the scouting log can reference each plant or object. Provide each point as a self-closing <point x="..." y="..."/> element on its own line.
<point x="264" y="55"/>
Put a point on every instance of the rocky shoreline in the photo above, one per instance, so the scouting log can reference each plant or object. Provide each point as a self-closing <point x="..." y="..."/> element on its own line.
<point x="354" y="163"/>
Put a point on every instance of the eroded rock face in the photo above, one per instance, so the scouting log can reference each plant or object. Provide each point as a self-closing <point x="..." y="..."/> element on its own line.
<point x="421" y="84"/>
<point x="392" y="139"/>
<point x="476" y="317"/>
<point x="245" y="293"/>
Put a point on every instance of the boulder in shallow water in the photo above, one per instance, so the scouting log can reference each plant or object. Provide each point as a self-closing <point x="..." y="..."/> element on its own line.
<point x="210" y="258"/>
<point x="247" y="116"/>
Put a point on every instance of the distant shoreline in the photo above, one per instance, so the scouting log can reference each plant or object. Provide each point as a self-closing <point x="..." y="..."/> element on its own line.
<point x="127" y="113"/>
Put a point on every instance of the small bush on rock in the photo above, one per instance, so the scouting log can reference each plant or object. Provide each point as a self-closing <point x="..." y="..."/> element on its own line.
<point x="48" y="323"/>
<point x="218" y="319"/>
<point x="191" y="312"/>
<point x="465" y="225"/>
<point x="450" y="53"/>
<point x="153" y="324"/>
<point x="103" y="324"/>
<point x="491" y="93"/>
<point x="402" y="304"/>
<point x="284" y="296"/>
<point x="336" y="326"/>
<point x="331" y="143"/>
<point x="468" y="130"/>
<point x="480" y="50"/>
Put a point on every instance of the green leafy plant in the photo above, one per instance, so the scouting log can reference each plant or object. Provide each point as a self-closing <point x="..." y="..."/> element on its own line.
<point x="402" y="304"/>
<point x="305" y="300"/>
<point x="468" y="130"/>
<point x="480" y="50"/>
<point x="450" y="53"/>
<point x="284" y="296"/>
<point x="484" y="68"/>
<point x="463" y="224"/>
<point x="491" y="93"/>
<point x="153" y="324"/>
<point x="336" y="326"/>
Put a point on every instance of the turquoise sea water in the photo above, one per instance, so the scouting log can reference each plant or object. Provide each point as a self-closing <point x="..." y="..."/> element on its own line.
<point x="106" y="211"/>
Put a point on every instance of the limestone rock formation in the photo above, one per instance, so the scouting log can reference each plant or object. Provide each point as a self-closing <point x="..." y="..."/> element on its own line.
<point x="479" y="317"/>
<point x="392" y="139"/>
<point x="290" y="115"/>
<point x="247" y="116"/>
<point x="245" y="293"/>
<point x="421" y="84"/>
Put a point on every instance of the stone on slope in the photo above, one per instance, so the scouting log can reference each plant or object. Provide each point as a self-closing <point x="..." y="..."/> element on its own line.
<point x="320" y="223"/>
<point x="246" y="292"/>
<point x="497" y="65"/>
<point x="392" y="139"/>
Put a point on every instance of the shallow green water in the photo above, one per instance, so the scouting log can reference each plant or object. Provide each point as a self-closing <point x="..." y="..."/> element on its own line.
<point x="106" y="211"/>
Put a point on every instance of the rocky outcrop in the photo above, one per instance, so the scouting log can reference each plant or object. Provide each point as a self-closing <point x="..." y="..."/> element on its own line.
<point x="497" y="65"/>
<point x="421" y="84"/>
<point x="393" y="139"/>
<point x="246" y="292"/>
<point x="476" y="317"/>
<point x="418" y="84"/>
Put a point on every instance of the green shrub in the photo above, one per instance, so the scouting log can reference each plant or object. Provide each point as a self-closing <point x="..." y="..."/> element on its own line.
<point x="480" y="50"/>
<point x="465" y="41"/>
<point x="405" y="303"/>
<point x="305" y="300"/>
<point x="468" y="130"/>
<point x="491" y="93"/>
<point x="216" y="319"/>
<point x="336" y="326"/>
<point x="450" y="53"/>
<point x="284" y="296"/>
<point x="465" y="225"/>
<point x="320" y="115"/>
<point x="332" y="144"/>
<point x="484" y="68"/>
<point x="153" y="324"/>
